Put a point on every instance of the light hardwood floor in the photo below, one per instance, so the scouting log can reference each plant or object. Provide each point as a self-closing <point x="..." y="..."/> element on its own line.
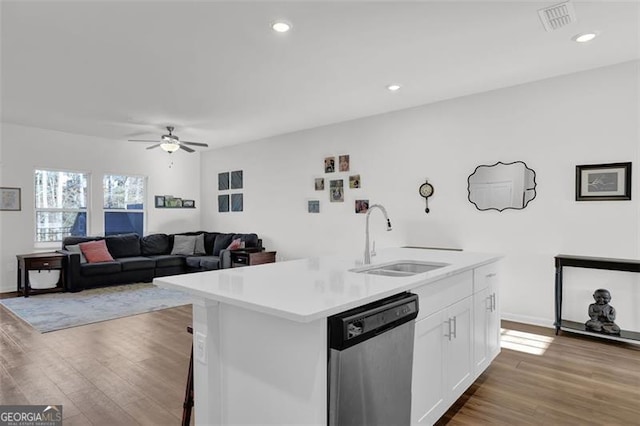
<point x="133" y="371"/>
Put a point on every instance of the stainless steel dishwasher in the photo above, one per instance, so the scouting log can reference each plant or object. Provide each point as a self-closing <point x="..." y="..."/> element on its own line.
<point x="370" y="363"/>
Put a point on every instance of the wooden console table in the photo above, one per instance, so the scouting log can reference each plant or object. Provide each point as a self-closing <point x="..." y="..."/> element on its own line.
<point x="247" y="258"/>
<point x="627" y="265"/>
<point x="42" y="262"/>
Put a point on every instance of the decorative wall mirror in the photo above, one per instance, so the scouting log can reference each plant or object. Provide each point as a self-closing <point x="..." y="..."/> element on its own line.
<point x="502" y="186"/>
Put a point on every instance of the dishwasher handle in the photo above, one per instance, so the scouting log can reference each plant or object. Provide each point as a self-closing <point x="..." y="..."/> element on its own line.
<point x="357" y="325"/>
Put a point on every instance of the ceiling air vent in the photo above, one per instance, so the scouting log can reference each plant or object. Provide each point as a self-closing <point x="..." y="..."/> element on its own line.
<point x="557" y="16"/>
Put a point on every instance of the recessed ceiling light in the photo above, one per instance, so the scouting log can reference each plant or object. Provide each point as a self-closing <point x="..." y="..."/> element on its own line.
<point x="281" y="26"/>
<point x="393" y="87"/>
<point x="584" y="37"/>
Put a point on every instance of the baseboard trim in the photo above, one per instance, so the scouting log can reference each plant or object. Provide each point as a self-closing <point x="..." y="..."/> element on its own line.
<point x="525" y="319"/>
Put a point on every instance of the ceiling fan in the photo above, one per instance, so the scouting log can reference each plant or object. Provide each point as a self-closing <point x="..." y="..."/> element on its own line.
<point x="171" y="143"/>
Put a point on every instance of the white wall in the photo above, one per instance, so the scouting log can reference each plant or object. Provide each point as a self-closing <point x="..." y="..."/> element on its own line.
<point x="552" y="125"/>
<point x="23" y="149"/>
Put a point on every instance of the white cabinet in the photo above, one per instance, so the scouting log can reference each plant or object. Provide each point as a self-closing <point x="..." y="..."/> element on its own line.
<point x="486" y="322"/>
<point x="456" y="337"/>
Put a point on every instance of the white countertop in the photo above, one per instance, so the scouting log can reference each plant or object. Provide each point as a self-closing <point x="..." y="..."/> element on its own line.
<point x="309" y="289"/>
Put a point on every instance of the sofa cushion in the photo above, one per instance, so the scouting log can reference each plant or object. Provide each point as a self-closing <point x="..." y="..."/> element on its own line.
<point x="70" y="241"/>
<point x="209" y="240"/>
<point x="167" y="260"/>
<point x="92" y="269"/>
<point x="125" y="245"/>
<point x="96" y="251"/>
<point x="183" y="244"/>
<point x="155" y="244"/>
<point x="221" y="243"/>
<point x="199" y="250"/>
<point x="135" y="263"/>
<point x="203" y="262"/>
<point x="76" y="249"/>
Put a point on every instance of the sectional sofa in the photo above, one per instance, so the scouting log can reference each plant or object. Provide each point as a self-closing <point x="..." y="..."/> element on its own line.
<point x="140" y="259"/>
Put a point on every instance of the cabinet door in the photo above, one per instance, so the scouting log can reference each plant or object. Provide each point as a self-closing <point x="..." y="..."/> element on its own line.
<point x="459" y="358"/>
<point x="482" y="307"/>
<point x="493" y="327"/>
<point x="427" y="388"/>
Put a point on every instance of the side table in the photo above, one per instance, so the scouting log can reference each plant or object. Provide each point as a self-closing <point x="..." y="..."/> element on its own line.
<point x="248" y="258"/>
<point x="39" y="262"/>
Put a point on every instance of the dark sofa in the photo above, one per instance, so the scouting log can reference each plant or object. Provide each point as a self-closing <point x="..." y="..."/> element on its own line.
<point x="140" y="259"/>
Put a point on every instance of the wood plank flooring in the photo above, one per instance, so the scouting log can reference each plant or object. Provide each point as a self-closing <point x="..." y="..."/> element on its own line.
<point x="133" y="371"/>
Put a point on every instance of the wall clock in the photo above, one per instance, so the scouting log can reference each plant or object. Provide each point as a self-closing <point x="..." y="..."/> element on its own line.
<point x="426" y="190"/>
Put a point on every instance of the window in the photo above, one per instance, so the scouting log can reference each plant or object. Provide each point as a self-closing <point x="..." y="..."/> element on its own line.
<point x="61" y="204"/>
<point x="123" y="204"/>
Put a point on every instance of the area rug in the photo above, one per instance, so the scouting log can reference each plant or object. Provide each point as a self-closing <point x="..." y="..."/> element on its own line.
<point x="55" y="311"/>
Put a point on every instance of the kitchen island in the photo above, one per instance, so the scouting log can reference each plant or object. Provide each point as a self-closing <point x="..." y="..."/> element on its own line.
<point x="260" y="333"/>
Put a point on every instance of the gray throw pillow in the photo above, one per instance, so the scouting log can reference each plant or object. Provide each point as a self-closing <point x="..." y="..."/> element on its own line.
<point x="76" y="249"/>
<point x="184" y="244"/>
<point x="199" y="248"/>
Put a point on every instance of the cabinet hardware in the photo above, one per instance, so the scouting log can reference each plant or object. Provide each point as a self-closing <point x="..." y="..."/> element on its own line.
<point x="448" y="322"/>
<point x="491" y="275"/>
<point x="493" y="302"/>
<point x="490" y="305"/>
<point x="455" y="328"/>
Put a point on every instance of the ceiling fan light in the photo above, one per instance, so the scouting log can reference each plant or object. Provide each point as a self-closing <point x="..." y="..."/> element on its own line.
<point x="170" y="146"/>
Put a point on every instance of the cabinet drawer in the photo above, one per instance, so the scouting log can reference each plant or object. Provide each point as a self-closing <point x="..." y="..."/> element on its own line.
<point x="44" y="263"/>
<point x="484" y="276"/>
<point x="445" y="292"/>
<point x="240" y="259"/>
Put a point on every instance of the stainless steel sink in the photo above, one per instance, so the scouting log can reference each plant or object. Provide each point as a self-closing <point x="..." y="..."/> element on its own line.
<point x="402" y="268"/>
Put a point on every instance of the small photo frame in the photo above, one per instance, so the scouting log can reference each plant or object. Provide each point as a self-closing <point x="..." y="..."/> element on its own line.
<point x="336" y="191"/>
<point x="362" y="206"/>
<point x="319" y="184"/>
<point x="159" y="201"/>
<point x="189" y="204"/>
<point x="603" y="182"/>
<point x="172" y="202"/>
<point x="343" y="163"/>
<point x="354" y="181"/>
<point x="329" y="164"/>
<point x="10" y="199"/>
<point x="313" y="206"/>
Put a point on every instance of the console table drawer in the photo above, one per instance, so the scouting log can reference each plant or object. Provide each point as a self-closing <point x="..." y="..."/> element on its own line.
<point x="44" y="263"/>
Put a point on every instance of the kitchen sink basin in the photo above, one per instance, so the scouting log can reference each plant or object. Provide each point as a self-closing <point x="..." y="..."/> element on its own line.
<point x="403" y="268"/>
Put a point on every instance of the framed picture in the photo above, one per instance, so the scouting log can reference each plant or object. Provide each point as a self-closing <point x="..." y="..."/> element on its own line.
<point x="319" y="184"/>
<point x="223" y="181"/>
<point x="10" y="199"/>
<point x="603" y="182"/>
<point x="237" y="202"/>
<point x="236" y="179"/>
<point x="343" y="163"/>
<point x="191" y="204"/>
<point x="159" y="200"/>
<point x="223" y="203"/>
<point x="362" y="206"/>
<point x="330" y="164"/>
<point x="314" y="206"/>
<point x="354" y="181"/>
<point x="336" y="191"/>
<point x="172" y="202"/>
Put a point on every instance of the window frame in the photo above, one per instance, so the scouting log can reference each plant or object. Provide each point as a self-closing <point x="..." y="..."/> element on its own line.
<point x="143" y="211"/>
<point x="37" y="210"/>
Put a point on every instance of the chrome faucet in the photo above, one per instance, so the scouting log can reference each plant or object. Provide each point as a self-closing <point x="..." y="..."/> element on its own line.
<point x="367" y="253"/>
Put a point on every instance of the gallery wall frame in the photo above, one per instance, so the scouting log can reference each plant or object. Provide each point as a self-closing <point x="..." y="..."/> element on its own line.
<point x="603" y="182"/>
<point x="10" y="199"/>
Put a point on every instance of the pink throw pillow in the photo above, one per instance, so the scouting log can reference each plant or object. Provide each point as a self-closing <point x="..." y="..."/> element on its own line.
<point x="96" y="251"/>
<point x="235" y="244"/>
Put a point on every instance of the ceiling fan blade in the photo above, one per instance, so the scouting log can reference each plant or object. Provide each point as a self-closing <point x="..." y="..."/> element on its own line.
<point x="141" y="140"/>
<point x="153" y="146"/>
<point x="195" y="143"/>
<point x="186" y="148"/>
